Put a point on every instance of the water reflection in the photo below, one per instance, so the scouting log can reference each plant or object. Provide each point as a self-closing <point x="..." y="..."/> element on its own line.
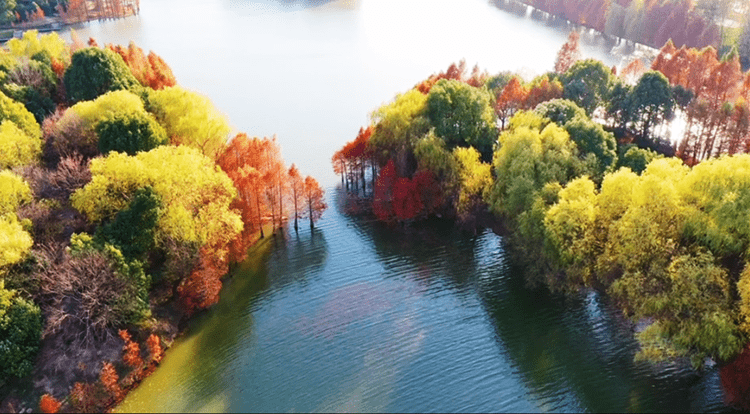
<point x="577" y="353"/>
<point x="296" y="256"/>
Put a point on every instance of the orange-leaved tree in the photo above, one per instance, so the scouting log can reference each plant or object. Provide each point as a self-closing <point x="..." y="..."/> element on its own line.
<point x="314" y="199"/>
<point x="297" y="192"/>
<point x="569" y="53"/>
<point x="150" y="70"/>
<point x="109" y="378"/>
<point x="155" y="351"/>
<point x="510" y="99"/>
<point x="131" y="352"/>
<point x="48" y="404"/>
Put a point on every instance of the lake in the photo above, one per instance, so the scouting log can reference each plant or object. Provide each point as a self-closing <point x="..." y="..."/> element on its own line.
<point x="354" y="316"/>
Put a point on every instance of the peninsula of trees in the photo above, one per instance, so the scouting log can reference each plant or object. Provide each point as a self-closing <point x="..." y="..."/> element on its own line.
<point x="123" y="202"/>
<point x="573" y="167"/>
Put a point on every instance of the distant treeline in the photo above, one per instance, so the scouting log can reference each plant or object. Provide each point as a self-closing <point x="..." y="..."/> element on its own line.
<point x="649" y="22"/>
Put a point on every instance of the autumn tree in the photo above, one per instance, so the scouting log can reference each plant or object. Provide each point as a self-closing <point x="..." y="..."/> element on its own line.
<point x="155" y="351"/>
<point x="511" y="99"/>
<point x="150" y="71"/>
<point x="569" y="53"/>
<point x="190" y="119"/>
<point x="243" y="160"/>
<point x="296" y="188"/>
<point x="48" y="404"/>
<point x="313" y="196"/>
<point x="131" y="352"/>
<point x="542" y="89"/>
<point x="109" y="378"/>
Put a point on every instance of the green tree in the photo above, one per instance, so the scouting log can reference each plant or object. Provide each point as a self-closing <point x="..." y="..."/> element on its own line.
<point x="691" y="305"/>
<point x="619" y="104"/>
<point x="133" y="229"/>
<point x="559" y="111"/>
<point x="7" y="11"/>
<point x="15" y="241"/>
<point x="594" y="144"/>
<point x="587" y="84"/>
<point x="636" y="158"/>
<point x="130" y="133"/>
<point x="94" y="72"/>
<point x="652" y="102"/>
<point x="462" y="115"/>
<point x="195" y="194"/>
<point x="20" y="333"/>
<point x="433" y="156"/>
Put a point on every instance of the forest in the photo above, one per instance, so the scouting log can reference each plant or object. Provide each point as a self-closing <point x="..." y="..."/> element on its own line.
<point x="124" y="200"/>
<point x="587" y="174"/>
<point x="723" y="24"/>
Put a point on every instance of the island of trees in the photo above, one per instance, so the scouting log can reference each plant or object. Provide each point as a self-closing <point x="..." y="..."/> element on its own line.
<point x="122" y="205"/>
<point x="572" y="168"/>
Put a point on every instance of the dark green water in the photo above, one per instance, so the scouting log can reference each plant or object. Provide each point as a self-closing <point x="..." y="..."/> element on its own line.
<point x="355" y="316"/>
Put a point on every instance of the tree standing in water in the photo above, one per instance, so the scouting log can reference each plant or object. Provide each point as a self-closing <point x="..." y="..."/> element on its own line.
<point x="297" y="187"/>
<point x="313" y="195"/>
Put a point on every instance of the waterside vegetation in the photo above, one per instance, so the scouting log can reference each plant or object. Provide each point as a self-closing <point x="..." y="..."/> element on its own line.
<point x="124" y="200"/>
<point x="574" y="169"/>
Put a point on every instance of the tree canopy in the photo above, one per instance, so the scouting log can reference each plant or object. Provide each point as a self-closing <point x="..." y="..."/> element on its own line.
<point x="94" y="72"/>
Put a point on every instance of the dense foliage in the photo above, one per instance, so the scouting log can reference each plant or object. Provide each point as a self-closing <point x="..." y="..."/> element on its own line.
<point x="94" y="72"/>
<point x="20" y="328"/>
<point x="125" y="207"/>
<point x="586" y="204"/>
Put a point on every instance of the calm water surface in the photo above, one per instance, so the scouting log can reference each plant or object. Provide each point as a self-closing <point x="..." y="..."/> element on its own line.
<point x="354" y="316"/>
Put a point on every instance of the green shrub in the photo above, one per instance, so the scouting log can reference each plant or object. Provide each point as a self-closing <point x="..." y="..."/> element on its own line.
<point x="94" y="72"/>
<point x="20" y="333"/>
<point x="130" y="133"/>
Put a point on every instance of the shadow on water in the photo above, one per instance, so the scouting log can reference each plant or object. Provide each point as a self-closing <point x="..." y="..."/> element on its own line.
<point x="296" y="256"/>
<point x="198" y="372"/>
<point x="434" y="244"/>
<point x="571" y="353"/>
<point x="577" y="353"/>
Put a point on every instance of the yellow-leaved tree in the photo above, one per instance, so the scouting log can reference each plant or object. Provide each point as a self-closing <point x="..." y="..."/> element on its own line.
<point x="16" y="147"/>
<point x="476" y="180"/>
<point x="15" y="242"/>
<point x="31" y="44"/>
<point x="195" y="194"/>
<point x="190" y="119"/>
